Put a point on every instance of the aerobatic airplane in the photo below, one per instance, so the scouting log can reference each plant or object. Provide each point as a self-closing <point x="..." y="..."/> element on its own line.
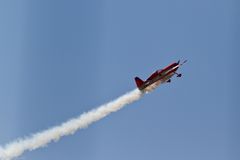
<point x="158" y="77"/>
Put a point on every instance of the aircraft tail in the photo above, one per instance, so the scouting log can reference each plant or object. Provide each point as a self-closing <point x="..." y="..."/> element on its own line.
<point x="139" y="82"/>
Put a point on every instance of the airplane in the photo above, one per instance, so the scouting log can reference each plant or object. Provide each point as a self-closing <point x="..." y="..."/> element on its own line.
<point x="159" y="77"/>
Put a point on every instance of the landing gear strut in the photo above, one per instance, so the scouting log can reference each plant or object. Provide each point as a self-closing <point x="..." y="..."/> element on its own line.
<point x="179" y="75"/>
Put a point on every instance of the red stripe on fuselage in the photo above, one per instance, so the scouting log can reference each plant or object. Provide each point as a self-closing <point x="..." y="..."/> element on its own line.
<point x="174" y="70"/>
<point x="169" y="67"/>
<point x="164" y="70"/>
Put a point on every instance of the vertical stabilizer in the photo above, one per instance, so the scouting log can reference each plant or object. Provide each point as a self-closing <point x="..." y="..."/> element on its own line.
<point x="139" y="82"/>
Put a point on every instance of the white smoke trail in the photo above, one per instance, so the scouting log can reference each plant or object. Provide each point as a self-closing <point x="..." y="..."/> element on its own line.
<point x="41" y="139"/>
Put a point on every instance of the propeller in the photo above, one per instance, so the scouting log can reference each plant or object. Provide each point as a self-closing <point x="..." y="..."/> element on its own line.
<point x="183" y="62"/>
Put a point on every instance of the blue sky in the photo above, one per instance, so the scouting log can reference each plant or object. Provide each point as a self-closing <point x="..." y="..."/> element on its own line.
<point x="61" y="58"/>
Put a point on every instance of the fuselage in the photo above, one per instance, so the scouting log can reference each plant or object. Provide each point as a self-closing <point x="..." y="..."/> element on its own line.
<point x="162" y="76"/>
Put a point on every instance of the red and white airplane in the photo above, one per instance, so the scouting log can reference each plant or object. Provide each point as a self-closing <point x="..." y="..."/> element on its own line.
<point x="158" y="77"/>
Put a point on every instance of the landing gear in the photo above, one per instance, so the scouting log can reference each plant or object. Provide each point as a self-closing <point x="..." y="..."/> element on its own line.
<point x="179" y="75"/>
